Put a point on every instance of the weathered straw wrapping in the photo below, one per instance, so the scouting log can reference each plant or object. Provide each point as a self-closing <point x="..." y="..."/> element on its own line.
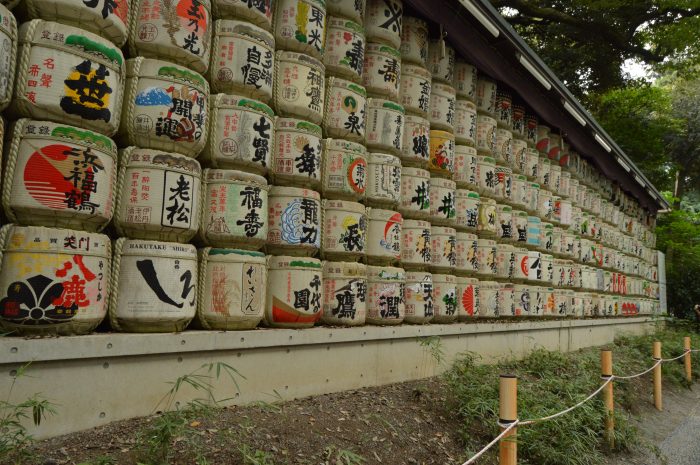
<point x="8" y="57"/>
<point x="234" y="209"/>
<point x="59" y="176"/>
<point x="154" y="286"/>
<point x="165" y="107"/>
<point x="300" y="25"/>
<point x="232" y="288"/>
<point x="441" y="60"/>
<point x="299" y="86"/>
<point x="354" y="10"/>
<point x="294" y="292"/>
<point x="344" y="293"/>
<point x="52" y="281"/>
<point x="108" y="18"/>
<point x="414" y="41"/>
<point x="9" y="4"/>
<point x="170" y="211"/>
<point x="258" y="12"/>
<point x="242" y="60"/>
<point x="169" y="31"/>
<point x="232" y="122"/>
<point x="88" y="68"/>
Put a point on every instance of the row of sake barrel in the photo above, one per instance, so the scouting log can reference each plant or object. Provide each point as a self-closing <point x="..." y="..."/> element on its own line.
<point x="62" y="176"/>
<point x="64" y="281"/>
<point x="171" y="134"/>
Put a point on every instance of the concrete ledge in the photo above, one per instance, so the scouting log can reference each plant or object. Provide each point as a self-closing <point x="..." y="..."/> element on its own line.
<point x="100" y="378"/>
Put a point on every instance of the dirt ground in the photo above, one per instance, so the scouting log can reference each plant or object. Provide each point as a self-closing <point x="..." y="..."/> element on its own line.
<point x="407" y="423"/>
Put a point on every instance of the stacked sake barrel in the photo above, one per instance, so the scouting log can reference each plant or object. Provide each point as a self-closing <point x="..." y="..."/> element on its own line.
<point x="240" y="144"/>
<point x="62" y="74"/>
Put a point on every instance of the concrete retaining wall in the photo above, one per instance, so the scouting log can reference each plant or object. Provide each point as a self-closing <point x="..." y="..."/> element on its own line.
<point x="101" y="378"/>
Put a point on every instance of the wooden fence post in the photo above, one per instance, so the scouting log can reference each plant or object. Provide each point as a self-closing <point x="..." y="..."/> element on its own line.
<point x="656" y="354"/>
<point x="688" y="360"/>
<point x="607" y="372"/>
<point x="508" y="413"/>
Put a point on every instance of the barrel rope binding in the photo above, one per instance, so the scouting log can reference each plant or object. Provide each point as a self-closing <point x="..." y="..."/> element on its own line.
<point x="117" y="217"/>
<point x="20" y="103"/>
<point x="13" y="53"/>
<point x="11" y="165"/>
<point x="114" y="282"/>
<point x="203" y="260"/>
<point x="130" y="95"/>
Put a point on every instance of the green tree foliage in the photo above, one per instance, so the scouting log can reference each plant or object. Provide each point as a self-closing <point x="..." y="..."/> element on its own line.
<point x="641" y="120"/>
<point x="587" y="41"/>
<point x="679" y="236"/>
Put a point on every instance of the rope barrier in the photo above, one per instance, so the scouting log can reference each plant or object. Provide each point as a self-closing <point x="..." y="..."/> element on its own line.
<point x="492" y="443"/>
<point x="574" y="407"/>
<point x="639" y="374"/>
<point x="609" y="380"/>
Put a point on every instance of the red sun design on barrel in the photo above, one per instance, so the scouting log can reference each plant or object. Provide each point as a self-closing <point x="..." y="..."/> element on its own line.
<point x="52" y="172"/>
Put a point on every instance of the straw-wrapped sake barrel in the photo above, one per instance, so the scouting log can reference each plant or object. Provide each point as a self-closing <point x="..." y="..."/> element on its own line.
<point x="232" y="288"/>
<point x="300" y="25"/>
<point x="385" y="121"/>
<point x="381" y="73"/>
<point x="294" y="292"/>
<point x="415" y="90"/>
<point x="297" y="153"/>
<point x="294" y="220"/>
<point x="354" y="10"/>
<point x="299" y="86"/>
<point x="416" y="244"/>
<point x="344" y="115"/>
<point x="85" y="71"/>
<point x="385" y="295"/>
<point x="165" y="107"/>
<point x="154" y="286"/>
<point x="414" y="41"/>
<point x="242" y="60"/>
<point x="52" y="281"/>
<point x="383" y="236"/>
<point x="344" y="230"/>
<point x="344" y="293"/>
<point x="59" y="176"/>
<point x="415" y="193"/>
<point x="234" y="212"/>
<point x="157" y="195"/>
<point x="345" y="170"/>
<point x="174" y="31"/>
<point x="445" y="298"/>
<point x="419" y="297"/>
<point x="108" y="18"/>
<point x="8" y="58"/>
<point x="241" y="134"/>
<point x="467" y="298"/>
<point x="383" y="180"/>
<point x="345" y="48"/>
<point x="383" y="20"/>
<point x="258" y="12"/>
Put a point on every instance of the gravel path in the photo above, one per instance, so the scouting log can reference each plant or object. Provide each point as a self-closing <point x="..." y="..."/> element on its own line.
<point x="682" y="446"/>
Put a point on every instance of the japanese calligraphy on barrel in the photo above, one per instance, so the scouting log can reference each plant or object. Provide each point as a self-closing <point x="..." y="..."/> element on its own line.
<point x="52" y="281"/>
